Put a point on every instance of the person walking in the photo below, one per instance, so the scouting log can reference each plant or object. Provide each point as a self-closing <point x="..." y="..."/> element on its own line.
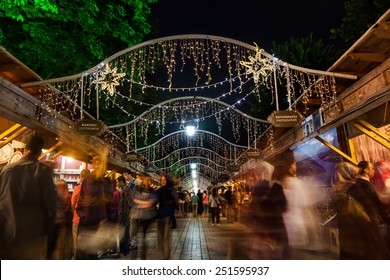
<point x="194" y="201"/>
<point x="205" y="200"/>
<point x="94" y="200"/>
<point x="28" y="204"/>
<point x="166" y="208"/>
<point x="58" y="246"/>
<point x="229" y="206"/>
<point x="73" y="203"/>
<point x="144" y="209"/>
<point x="363" y="191"/>
<point x="215" y="203"/>
<point x="129" y="242"/>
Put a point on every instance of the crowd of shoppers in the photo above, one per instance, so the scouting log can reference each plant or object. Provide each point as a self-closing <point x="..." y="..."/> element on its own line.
<point x="40" y="219"/>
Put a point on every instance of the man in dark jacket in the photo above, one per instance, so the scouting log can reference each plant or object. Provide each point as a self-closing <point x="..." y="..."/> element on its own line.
<point x="28" y="198"/>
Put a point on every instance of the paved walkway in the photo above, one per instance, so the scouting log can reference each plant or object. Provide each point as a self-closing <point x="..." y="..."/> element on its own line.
<point x="196" y="239"/>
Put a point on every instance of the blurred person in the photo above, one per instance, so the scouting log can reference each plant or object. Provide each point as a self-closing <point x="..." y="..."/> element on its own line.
<point x="200" y="202"/>
<point x="364" y="192"/>
<point x="300" y="218"/>
<point x="144" y="209"/>
<point x="216" y="202"/>
<point x="166" y="207"/>
<point x="181" y="201"/>
<point x="239" y="199"/>
<point x="28" y="204"/>
<point x="187" y="203"/>
<point x="115" y="205"/>
<point x="58" y="246"/>
<point x="235" y="206"/>
<point x="382" y="185"/>
<point x="228" y="195"/>
<point x="382" y="181"/>
<point x="73" y="203"/>
<point x="173" y="217"/>
<point x="194" y="202"/>
<point x="129" y="242"/>
<point x="352" y="237"/>
<point x="246" y="196"/>
<point x="92" y="207"/>
<point x="265" y="217"/>
<point x="205" y="201"/>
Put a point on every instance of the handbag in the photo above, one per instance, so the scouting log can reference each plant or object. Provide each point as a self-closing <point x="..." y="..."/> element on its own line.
<point x="351" y="207"/>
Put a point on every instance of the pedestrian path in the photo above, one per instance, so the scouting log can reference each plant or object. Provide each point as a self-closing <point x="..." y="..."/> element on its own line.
<point x="196" y="239"/>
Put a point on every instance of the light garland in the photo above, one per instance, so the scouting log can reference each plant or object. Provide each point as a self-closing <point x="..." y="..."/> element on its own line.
<point x="109" y="79"/>
<point x="258" y="65"/>
<point x="208" y="59"/>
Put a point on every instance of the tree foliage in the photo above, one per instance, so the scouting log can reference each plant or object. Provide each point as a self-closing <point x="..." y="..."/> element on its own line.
<point x="360" y="15"/>
<point x="62" y="37"/>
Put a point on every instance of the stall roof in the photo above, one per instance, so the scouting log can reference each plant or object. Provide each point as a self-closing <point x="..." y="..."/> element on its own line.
<point x="367" y="53"/>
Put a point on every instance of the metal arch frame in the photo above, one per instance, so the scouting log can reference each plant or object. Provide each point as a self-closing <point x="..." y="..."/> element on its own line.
<point x="205" y="166"/>
<point x="188" y="177"/>
<point x="189" y="36"/>
<point x="201" y="164"/>
<point x="202" y="148"/>
<point x="180" y="160"/>
<point x="200" y="130"/>
<point x="188" y="98"/>
<point x="203" y="179"/>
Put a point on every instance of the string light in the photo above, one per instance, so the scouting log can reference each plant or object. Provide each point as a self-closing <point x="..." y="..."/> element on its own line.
<point x="116" y="80"/>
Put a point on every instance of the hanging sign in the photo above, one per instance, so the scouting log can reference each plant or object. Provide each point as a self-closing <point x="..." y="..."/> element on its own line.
<point x="131" y="157"/>
<point x="88" y="127"/>
<point x="253" y="153"/>
<point x="150" y="169"/>
<point x="233" y="168"/>
<point x="285" y="118"/>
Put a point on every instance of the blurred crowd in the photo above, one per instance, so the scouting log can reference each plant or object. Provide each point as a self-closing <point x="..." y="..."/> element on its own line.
<point x="108" y="217"/>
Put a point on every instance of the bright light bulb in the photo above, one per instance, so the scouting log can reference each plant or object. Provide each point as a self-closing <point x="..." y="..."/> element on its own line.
<point x="190" y="130"/>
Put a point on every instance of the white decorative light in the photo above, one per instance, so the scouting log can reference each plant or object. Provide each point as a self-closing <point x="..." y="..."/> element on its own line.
<point x="109" y="79"/>
<point x="258" y="65"/>
<point x="190" y="130"/>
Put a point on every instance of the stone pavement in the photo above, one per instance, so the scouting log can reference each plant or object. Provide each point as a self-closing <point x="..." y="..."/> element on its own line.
<point x="196" y="239"/>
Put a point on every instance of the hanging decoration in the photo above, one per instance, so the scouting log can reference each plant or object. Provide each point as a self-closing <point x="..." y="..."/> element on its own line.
<point x="181" y="71"/>
<point x="259" y="65"/>
<point x="109" y="79"/>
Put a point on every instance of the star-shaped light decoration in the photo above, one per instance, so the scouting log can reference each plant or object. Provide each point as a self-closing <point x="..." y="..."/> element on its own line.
<point x="258" y="65"/>
<point x="109" y="79"/>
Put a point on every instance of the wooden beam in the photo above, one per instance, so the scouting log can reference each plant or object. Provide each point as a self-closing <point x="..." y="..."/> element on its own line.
<point x="337" y="150"/>
<point x="382" y="34"/>
<point x="10" y="130"/>
<point x="9" y="67"/>
<point x="52" y="157"/>
<point x="370" y="57"/>
<point x="385" y="24"/>
<point x="12" y="137"/>
<point x="59" y="143"/>
<point x="372" y="132"/>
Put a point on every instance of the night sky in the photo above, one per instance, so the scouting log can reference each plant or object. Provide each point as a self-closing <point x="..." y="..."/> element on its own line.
<point x="249" y="21"/>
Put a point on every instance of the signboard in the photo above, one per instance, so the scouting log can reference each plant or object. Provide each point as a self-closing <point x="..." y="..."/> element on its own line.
<point x="150" y="169"/>
<point x="253" y="153"/>
<point x="233" y="168"/>
<point x="285" y="118"/>
<point x="131" y="157"/>
<point x="88" y="127"/>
